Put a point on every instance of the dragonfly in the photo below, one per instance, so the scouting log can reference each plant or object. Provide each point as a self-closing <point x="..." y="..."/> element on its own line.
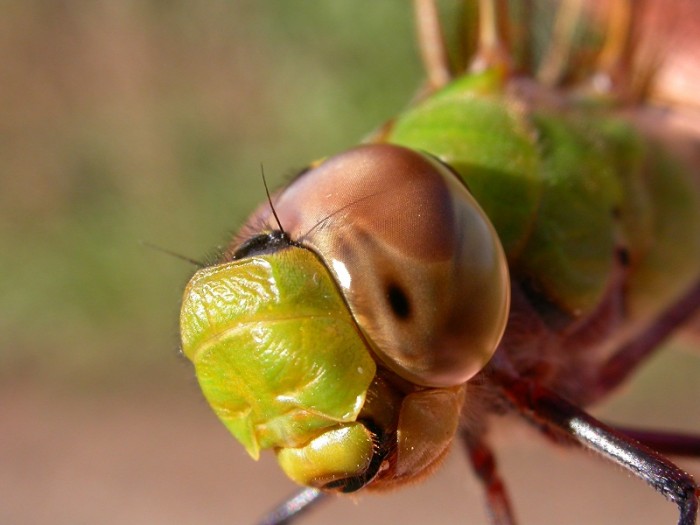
<point x="516" y="243"/>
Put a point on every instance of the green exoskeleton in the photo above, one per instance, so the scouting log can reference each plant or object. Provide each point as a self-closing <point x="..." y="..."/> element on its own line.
<point x="516" y="241"/>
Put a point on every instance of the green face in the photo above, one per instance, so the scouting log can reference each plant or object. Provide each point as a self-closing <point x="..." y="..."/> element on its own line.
<point x="276" y="352"/>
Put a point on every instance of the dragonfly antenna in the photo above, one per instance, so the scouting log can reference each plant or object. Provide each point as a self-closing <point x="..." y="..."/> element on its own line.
<point x="269" y="199"/>
<point x="173" y="254"/>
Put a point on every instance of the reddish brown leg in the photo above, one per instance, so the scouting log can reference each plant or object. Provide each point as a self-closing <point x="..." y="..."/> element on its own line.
<point x="555" y="415"/>
<point x="484" y="465"/>
<point x="431" y="43"/>
<point x="619" y="367"/>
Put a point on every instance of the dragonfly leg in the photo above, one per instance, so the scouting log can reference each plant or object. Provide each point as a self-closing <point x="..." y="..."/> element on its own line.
<point x="615" y="59"/>
<point x="493" y="49"/>
<point x="294" y="507"/>
<point x="431" y="42"/>
<point x="554" y="415"/>
<point x="484" y="465"/>
<point x="554" y="63"/>
<point x="630" y="354"/>
<point x="672" y="443"/>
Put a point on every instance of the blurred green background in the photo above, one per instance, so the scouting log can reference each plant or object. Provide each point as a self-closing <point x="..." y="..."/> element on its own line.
<point x="147" y="120"/>
<point x="129" y="121"/>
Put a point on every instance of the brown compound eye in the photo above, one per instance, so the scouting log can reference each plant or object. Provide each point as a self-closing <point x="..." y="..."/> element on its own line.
<point x="419" y="263"/>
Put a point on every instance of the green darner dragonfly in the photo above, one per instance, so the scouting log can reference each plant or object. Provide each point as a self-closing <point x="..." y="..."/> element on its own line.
<point x="502" y="246"/>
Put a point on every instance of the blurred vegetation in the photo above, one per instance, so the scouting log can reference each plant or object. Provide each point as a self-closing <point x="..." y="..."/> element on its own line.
<point x="148" y="120"/>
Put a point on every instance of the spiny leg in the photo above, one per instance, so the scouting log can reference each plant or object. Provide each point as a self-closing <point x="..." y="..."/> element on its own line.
<point x="294" y="507"/>
<point x="635" y="42"/>
<point x="614" y="62"/>
<point x="638" y="39"/>
<point x="554" y="415"/>
<point x="484" y="465"/>
<point x="553" y="66"/>
<point x="672" y="443"/>
<point x="431" y="42"/>
<point x="521" y="36"/>
<point x="493" y="51"/>
<point x="634" y="352"/>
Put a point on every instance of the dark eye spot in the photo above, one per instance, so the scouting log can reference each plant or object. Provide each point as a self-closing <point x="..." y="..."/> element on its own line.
<point x="398" y="301"/>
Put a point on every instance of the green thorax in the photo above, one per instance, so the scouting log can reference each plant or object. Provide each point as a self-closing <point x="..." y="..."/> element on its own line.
<point x="567" y="185"/>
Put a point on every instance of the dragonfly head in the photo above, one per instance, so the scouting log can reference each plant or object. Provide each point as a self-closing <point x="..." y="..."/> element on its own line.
<point x="345" y="341"/>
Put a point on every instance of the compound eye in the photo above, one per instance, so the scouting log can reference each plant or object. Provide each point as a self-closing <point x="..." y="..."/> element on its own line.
<point x="420" y="264"/>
